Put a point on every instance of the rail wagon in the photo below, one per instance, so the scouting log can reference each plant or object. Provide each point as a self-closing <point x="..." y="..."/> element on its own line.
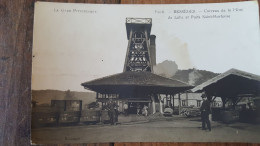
<point x="90" y="116"/>
<point x="69" y="110"/>
<point x="104" y="116"/>
<point x="44" y="116"/>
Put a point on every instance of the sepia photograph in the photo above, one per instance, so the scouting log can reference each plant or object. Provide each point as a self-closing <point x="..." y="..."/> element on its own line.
<point x="145" y="73"/>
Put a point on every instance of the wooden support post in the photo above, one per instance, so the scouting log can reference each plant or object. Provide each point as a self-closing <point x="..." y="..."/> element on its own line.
<point x="238" y="100"/>
<point x="179" y="98"/>
<point x="160" y="104"/>
<point x="166" y="95"/>
<point x="187" y="99"/>
<point x="97" y="95"/>
<point x="153" y="104"/>
<point x="173" y="102"/>
<point x="214" y="97"/>
<point x="233" y="102"/>
<point x="213" y="101"/>
<point x="223" y="102"/>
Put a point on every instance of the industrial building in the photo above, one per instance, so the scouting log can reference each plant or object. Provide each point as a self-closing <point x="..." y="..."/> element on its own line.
<point x="239" y="92"/>
<point x="137" y="84"/>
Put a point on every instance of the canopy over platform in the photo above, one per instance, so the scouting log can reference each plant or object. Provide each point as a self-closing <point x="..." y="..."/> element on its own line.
<point x="231" y="83"/>
<point x="136" y="82"/>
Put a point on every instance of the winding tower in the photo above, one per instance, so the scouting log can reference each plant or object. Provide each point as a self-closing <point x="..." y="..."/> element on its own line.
<point x="138" y="57"/>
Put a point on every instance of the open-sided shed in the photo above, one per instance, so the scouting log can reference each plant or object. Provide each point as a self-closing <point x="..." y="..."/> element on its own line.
<point x="138" y="87"/>
<point x="231" y="83"/>
<point x="232" y="86"/>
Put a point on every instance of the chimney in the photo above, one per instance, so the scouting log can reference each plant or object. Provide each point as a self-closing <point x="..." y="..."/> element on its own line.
<point x="153" y="49"/>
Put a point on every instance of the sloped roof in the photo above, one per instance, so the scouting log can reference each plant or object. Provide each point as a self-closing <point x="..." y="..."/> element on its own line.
<point x="137" y="79"/>
<point x="240" y="75"/>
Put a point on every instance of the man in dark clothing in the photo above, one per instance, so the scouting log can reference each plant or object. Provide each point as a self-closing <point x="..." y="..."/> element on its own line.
<point x="115" y="112"/>
<point x="205" y="111"/>
<point x="112" y="112"/>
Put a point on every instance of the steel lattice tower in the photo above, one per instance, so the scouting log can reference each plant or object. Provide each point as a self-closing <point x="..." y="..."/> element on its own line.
<point x="138" y="54"/>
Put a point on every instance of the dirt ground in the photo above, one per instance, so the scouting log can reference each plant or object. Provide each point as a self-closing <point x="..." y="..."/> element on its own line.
<point x="173" y="129"/>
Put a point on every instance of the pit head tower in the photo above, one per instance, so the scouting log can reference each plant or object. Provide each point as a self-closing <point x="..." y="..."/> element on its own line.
<point x="138" y="55"/>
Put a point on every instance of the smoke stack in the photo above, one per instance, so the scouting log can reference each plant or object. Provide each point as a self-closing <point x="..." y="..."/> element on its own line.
<point x="153" y="49"/>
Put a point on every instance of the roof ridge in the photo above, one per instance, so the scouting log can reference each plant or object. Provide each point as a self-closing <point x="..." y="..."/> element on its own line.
<point x="82" y="84"/>
<point x="232" y="71"/>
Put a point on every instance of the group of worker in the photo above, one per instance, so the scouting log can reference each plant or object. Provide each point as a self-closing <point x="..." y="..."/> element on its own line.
<point x="139" y="110"/>
<point x="112" y="112"/>
<point x="112" y="108"/>
<point x="205" y="111"/>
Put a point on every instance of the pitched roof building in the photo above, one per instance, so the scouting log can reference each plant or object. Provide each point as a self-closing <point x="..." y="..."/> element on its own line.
<point x="231" y="85"/>
<point x="137" y="84"/>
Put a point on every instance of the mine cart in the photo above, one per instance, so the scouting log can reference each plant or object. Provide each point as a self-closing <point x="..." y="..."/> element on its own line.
<point x="69" y="117"/>
<point x="104" y="117"/>
<point x="168" y="112"/>
<point x="230" y="116"/>
<point x="69" y="110"/>
<point x="90" y="116"/>
<point x="250" y="112"/>
<point x="44" y="116"/>
<point x="190" y="111"/>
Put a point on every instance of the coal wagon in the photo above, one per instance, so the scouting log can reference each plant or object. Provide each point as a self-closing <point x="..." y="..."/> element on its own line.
<point x="69" y="110"/>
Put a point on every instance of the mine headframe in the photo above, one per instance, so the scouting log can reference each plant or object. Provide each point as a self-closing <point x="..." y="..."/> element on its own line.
<point x="138" y="54"/>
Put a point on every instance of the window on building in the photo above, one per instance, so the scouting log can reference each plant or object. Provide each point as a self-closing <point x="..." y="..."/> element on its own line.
<point x="214" y="103"/>
<point x="198" y="103"/>
<point x="183" y="102"/>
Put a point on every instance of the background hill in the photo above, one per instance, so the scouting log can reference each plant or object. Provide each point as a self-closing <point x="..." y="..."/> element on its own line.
<point x="193" y="76"/>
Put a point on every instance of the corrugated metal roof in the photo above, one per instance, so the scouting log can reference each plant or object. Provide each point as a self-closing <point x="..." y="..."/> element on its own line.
<point x="232" y="71"/>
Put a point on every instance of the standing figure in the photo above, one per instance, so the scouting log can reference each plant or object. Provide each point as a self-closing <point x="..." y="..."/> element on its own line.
<point x="145" y="110"/>
<point x="111" y="112"/>
<point x="138" y="109"/>
<point x="115" y="112"/>
<point x="205" y="111"/>
<point x="125" y="109"/>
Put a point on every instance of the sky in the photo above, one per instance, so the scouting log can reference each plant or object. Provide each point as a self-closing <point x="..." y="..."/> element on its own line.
<point x="75" y="43"/>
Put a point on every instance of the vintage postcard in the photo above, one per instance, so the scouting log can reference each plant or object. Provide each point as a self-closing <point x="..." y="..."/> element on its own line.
<point x="146" y="73"/>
